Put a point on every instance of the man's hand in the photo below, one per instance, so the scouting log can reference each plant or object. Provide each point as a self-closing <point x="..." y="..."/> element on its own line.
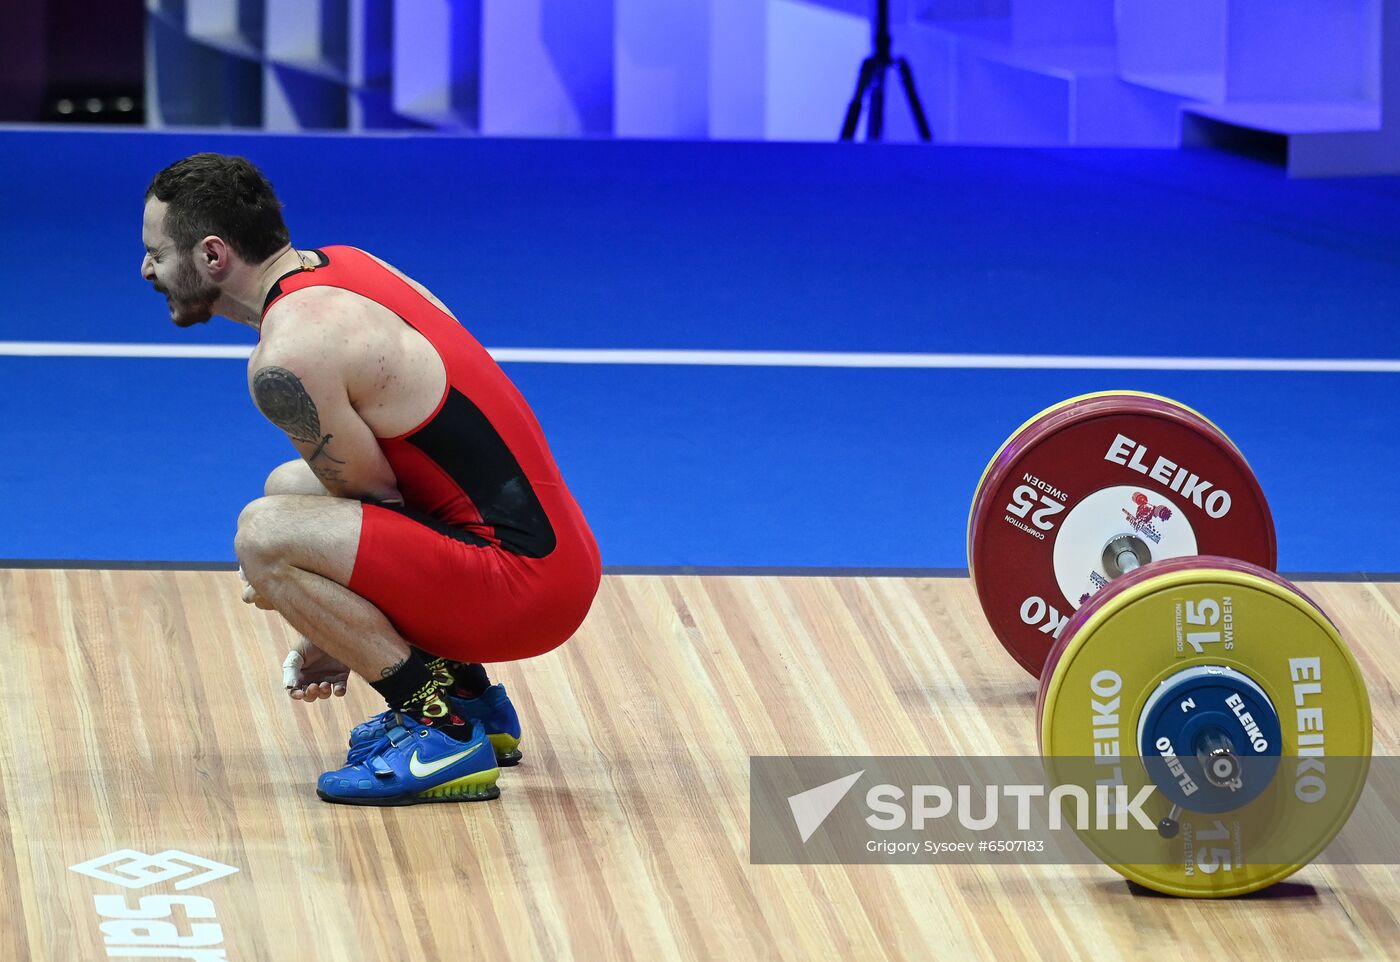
<point x="309" y="673"/>
<point x="251" y="596"/>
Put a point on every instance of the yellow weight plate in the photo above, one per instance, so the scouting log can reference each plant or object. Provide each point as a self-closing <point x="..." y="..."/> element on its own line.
<point x="1146" y="628"/>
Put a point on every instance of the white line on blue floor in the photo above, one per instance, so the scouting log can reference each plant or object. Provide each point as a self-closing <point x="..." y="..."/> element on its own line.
<point x="836" y="359"/>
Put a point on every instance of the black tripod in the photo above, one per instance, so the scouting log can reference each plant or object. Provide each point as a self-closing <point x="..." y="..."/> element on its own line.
<point x="872" y="79"/>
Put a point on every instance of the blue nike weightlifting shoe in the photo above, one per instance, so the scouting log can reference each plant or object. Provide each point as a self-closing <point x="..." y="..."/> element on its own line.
<point x="492" y="708"/>
<point x="412" y="764"/>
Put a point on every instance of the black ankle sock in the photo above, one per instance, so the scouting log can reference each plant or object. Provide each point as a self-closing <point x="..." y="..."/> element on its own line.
<point x="461" y="679"/>
<point x="469" y="679"/>
<point x="411" y="687"/>
<point x="439" y="667"/>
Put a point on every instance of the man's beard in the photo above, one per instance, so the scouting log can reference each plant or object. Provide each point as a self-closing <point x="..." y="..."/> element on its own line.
<point x="191" y="300"/>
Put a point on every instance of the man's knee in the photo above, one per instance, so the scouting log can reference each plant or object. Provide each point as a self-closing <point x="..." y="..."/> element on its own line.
<point x="320" y="535"/>
<point x="293" y="477"/>
<point x="261" y="534"/>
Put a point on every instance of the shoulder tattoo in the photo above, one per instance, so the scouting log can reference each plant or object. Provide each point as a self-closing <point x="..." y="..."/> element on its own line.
<point x="280" y="395"/>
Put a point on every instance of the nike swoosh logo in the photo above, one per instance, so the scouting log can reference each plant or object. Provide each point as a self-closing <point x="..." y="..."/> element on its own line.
<point x="421" y="770"/>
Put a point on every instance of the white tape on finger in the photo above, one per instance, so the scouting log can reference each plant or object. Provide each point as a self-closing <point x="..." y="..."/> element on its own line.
<point x="291" y="669"/>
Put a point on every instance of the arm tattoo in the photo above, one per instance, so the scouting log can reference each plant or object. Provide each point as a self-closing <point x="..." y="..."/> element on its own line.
<point x="280" y="395"/>
<point x="326" y="472"/>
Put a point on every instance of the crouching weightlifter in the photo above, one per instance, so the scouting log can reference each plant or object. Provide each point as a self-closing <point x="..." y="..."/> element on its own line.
<point x="425" y="530"/>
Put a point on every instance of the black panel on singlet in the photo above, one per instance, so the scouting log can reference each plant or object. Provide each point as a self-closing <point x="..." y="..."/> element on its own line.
<point x="441" y="527"/>
<point x="465" y="445"/>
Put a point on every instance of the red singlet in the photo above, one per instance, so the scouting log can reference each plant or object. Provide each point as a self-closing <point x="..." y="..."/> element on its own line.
<point x="491" y="558"/>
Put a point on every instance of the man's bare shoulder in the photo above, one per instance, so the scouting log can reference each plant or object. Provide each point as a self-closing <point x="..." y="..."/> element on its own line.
<point x="313" y="318"/>
<point x="320" y="302"/>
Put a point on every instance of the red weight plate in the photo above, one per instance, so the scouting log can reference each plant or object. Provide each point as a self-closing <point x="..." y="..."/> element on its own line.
<point x="1143" y="473"/>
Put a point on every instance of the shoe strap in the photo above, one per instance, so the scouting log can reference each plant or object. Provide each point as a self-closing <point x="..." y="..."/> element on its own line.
<point x="397" y="735"/>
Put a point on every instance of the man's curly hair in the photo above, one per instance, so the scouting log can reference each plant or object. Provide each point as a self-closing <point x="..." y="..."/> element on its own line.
<point x="224" y="196"/>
